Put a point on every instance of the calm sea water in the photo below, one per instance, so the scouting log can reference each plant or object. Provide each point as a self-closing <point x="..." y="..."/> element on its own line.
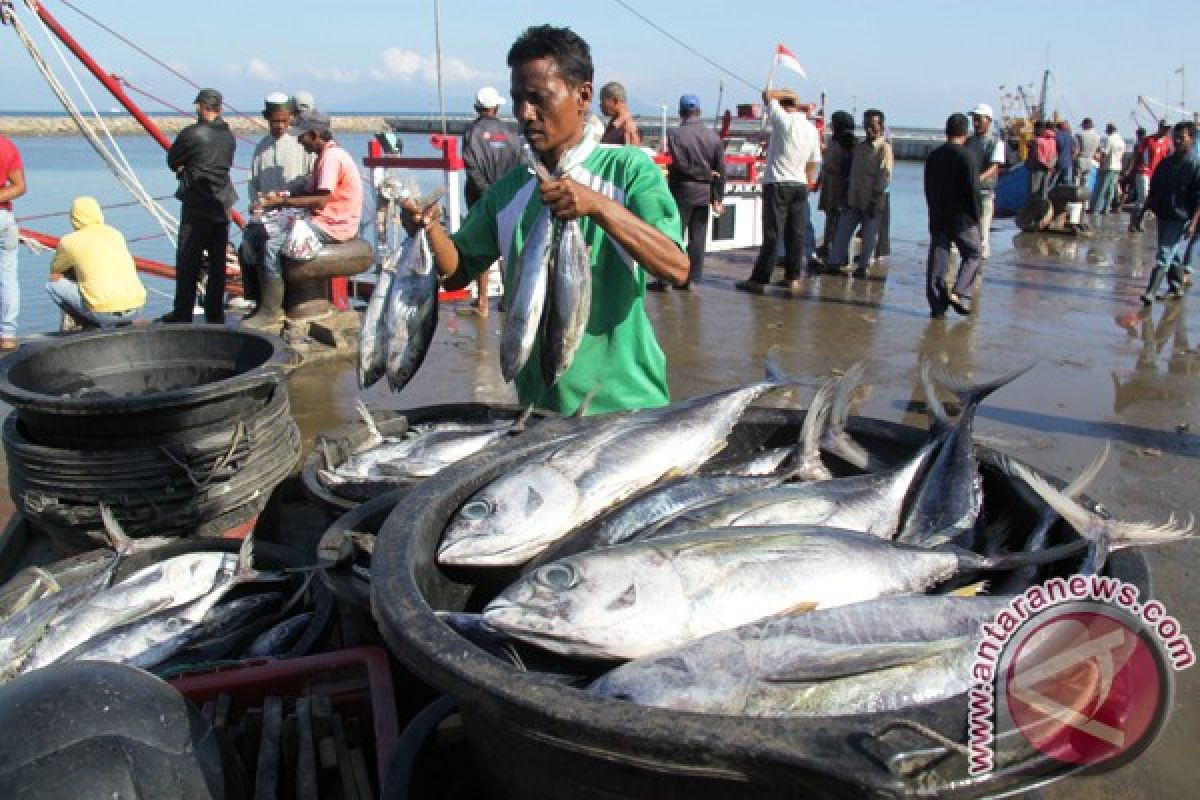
<point x="57" y="169"/>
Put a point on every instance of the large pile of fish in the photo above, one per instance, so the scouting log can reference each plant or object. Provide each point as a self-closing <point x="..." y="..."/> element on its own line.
<point x="423" y="450"/>
<point x="190" y="608"/>
<point x="768" y="593"/>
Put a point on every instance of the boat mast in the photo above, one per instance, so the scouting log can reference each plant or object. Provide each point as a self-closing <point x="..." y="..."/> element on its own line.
<point x="1041" y="106"/>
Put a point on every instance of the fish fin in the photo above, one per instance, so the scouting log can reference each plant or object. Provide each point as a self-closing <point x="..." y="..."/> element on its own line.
<point x="800" y="608"/>
<point x="970" y="590"/>
<point x="1108" y="533"/>
<point x="122" y="544"/>
<point x="941" y="421"/>
<point x="581" y="411"/>
<point x="374" y="437"/>
<point x="245" y="560"/>
<point x="774" y="371"/>
<point x="1088" y="474"/>
<point x="842" y="661"/>
<point x="522" y="421"/>
<point x="814" y="421"/>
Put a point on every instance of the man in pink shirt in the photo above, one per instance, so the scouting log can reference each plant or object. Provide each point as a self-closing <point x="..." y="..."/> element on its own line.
<point x="12" y="186"/>
<point x="334" y="193"/>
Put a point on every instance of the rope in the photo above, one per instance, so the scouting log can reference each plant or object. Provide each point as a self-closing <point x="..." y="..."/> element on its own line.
<point x="153" y="58"/>
<point x="686" y="46"/>
<point x="123" y="173"/>
<point x="176" y="109"/>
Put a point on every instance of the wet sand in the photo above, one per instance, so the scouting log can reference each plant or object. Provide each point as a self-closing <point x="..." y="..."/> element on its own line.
<point x="1104" y="371"/>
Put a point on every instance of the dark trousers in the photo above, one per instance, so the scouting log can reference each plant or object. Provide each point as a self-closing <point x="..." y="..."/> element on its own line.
<point x="695" y="233"/>
<point x="785" y="216"/>
<point x="938" y="264"/>
<point x="201" y="250"/>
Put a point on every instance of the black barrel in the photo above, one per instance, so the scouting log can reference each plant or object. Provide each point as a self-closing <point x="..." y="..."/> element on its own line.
<point x="181" y="430"/>
<point x="94" y="389"/>
<point x="541" y="739"/>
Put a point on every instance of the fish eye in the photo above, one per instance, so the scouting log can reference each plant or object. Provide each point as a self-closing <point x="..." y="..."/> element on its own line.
<point x="558" y="576"/>
<point x="476" y="509"/>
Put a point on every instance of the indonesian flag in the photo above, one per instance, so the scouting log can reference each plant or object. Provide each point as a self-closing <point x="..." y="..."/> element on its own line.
<point x="786" y="58"/>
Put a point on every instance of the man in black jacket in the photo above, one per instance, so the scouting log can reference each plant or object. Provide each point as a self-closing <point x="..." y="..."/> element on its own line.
<point x="201" y="157"/>
<point x="696" y="178"/>
<point x="952" y="193"/>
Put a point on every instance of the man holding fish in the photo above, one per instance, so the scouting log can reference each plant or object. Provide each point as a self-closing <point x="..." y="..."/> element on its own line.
<point x="628" y="225"/>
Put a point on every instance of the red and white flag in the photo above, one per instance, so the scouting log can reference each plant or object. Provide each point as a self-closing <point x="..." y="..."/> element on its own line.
<point x="787" y="59"/>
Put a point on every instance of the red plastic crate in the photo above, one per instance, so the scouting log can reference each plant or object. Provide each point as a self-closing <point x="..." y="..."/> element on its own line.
<point x="316" y="674"/>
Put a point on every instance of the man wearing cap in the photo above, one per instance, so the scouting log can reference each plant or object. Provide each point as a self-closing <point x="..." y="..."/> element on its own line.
<point x="626" y="215"/>
<point x="490" y="149"/>
<point x="279" y="164"/>
<point x="988" y="149"/>
<point x="333" y="193"/>
<point x="622" y="127"/>
<point x="793" y="154"/>
<point x="696" y="178"/>
<point x="201" y="156"/>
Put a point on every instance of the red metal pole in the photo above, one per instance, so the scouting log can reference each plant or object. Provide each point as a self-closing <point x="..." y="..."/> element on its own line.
<point x="109" y="81"/>
<point x="113" y="87"/>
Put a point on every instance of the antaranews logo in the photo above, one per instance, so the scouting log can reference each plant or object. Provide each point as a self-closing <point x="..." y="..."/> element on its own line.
<point x="1077" y="670"/>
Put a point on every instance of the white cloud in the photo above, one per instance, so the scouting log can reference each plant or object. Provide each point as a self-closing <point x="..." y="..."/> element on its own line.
<point x="333" y="74"/>
<point x="407" y="66"/>
<point x="255" y="68"/>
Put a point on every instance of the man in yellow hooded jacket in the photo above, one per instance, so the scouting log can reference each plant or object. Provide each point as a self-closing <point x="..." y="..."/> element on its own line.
<point x="92" y="277"/>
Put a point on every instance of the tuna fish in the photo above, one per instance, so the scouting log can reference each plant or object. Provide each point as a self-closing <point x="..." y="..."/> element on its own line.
<point x="519" y="514"/>
<point x="870" y="504"/>
<point x="410" y="311"/>
<point x="950" y="496"/>
<point x="524" y="314"/>
<point x="168" y="584"/>
<point x="879" y="655"/>
<point x="568" y="301"/>
<point x="372" y="340"/>
<point x="644" y="597"/>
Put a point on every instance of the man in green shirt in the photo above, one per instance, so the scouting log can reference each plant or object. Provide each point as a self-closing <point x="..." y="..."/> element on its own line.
<point x="626" y="212"/>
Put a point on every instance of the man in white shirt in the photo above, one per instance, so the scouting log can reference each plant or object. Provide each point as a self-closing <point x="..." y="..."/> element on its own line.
<point x="793" y="155"/>
<point x="1110" y="154"/>
<point x="988" y="149"/>
<point x="279" y="164"/>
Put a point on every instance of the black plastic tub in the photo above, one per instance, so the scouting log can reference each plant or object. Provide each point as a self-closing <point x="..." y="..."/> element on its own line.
<point x="95" y="389"/>
<point x="333" y="448"/>
<point x="541" y="739"/>
<point x="339" y="556"/>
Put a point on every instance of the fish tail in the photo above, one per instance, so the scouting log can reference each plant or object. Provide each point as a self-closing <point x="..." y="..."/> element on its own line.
<point x="941" y="420"/>
<point x="774" y="371"/>
<point x="1110" y="534"/>
<point x="818" y="412"/>
<point x="839" y="412"/>
<point x="973" y="394"/>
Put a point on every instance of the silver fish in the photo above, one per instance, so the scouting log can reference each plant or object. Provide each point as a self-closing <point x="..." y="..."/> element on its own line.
<point x="422" y="454"/>
<point x="765" y="462"/>
<point x="167" y="584"/>
<point x="642" y="597"/>
<point x="871" y="503"/>
<point x="148" y="642"/>
<point x="524" y="314"/>
<point x="518" y="515"/>
<point x="411" y="311"/>
<point x="950" y="497"/>
<point x="276" y="640"/>
<point x="879" y="655"/>
<point x="372" y="340"/>
<point x="568" y="301"/>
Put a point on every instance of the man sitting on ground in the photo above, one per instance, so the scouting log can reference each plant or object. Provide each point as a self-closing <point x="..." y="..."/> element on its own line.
<point x="92" y="277"/>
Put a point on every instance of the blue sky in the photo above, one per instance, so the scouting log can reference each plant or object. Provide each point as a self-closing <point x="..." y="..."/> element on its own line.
<point x="918" y="61"/>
